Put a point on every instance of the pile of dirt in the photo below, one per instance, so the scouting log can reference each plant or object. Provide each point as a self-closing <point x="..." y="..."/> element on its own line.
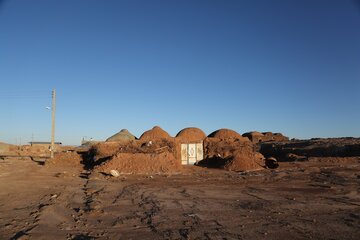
<point x="231" y="154"/>
<point x="278" y="137"/>
<point x="6" y="148"/>
<point x="154" y="134"/>
<point x="106" y="149"/>
<point x="291" y="157"/>
<point x="69" y="158"/>
<point x="214" y="147"/>
<point x="35" y="149"/>
<point x="254" y="136"/>
<point x="317" y="147"/>
<point x="257" y="137"/>
<point x="191" y="134"/>
<point x="28" y="150"/>
<point x="106" y="153"/>
<point x="227" y="134"/>
<point x="123" y="136"/>
<point x="141" y="163"/>
<point x="3" y="145"/>
<point x="245" y="160"/>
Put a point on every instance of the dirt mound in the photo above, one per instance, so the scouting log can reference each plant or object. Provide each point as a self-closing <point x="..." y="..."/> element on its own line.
<point x="107" y="151"/>
<point x="279" y="137"/>
<point x="254" y="133"/>
<point x="257" y="137"/>
<point x="191" y="134"/>
<point x="214" y="147"/>
<point x="291" y="157"/>
<point x="245" y="160"/>
<point x="254" y="136"/>
<point x="227" y="134"/>
<point x="141" y="163"/>
<point x="317" y="147"/>
<point x="4" y="148"/>
<point x="231" y="154"/>
<point x="123" y="136"/>
<point x="154" y="134"/>
<point x="65" y="159"/>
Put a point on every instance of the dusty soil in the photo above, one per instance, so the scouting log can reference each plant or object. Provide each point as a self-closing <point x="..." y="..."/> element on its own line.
<point x="318" y="199"/>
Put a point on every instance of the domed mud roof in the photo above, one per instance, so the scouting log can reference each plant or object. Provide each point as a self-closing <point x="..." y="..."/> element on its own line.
<point x="123" y="135"/>
<point x="278" y="134"/>
<point x="227" y="134"/>
<point x="191" y="134"/>
<point x="253" y="133"/>
<point x="154" y="133"/>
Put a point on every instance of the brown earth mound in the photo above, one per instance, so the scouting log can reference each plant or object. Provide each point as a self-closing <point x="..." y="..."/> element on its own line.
<point x="65" y="159"/>
<point x="317" y="147"/>
<point x="253" y="133"/>
<point x="231" y="154"/>
<point x="4" y="148"/>
<point x="141" y="163"/>
<point x="104" y="152"/>
<point x="214" y="147"/>
<point x="191" y="134"/>
<point x="154" y="134"/>
<point x="227" y="134"/>
<point x="108" y="149"/>
<point x="123" y="136"/>
<point x="254" y="136"/>
<point x="245" y="160"/>
<point x="279" y="137"/>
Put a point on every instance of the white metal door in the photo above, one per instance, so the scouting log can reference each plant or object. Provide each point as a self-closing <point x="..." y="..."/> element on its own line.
<point x="191" y="153"/>
<point x="184" y="154"/>
<point x="199" y="152"/>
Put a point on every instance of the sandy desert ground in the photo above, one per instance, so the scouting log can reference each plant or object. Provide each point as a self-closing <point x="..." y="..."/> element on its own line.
<point x="315" y="199"/>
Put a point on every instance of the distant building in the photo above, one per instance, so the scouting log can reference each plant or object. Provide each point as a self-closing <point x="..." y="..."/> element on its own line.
<point x="44" y="144"/>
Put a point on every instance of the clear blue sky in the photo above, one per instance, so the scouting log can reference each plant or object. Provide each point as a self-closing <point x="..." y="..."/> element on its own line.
<point x="284" y="66"/>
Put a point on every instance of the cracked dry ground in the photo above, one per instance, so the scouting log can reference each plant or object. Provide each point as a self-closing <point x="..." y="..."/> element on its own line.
<point x="296" y="201"/>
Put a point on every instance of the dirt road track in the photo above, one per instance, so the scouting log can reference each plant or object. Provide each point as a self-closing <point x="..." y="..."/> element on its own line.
<point x="297" y="201"/>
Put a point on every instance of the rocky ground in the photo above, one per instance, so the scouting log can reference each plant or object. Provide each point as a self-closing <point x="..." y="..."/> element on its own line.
<point x="318" y="199"/>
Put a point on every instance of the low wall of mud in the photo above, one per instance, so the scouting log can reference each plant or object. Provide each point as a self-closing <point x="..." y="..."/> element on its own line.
<point x="329" y="147"/>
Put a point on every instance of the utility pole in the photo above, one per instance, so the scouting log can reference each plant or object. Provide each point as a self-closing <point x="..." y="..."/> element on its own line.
<point x="53" y="108"/>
